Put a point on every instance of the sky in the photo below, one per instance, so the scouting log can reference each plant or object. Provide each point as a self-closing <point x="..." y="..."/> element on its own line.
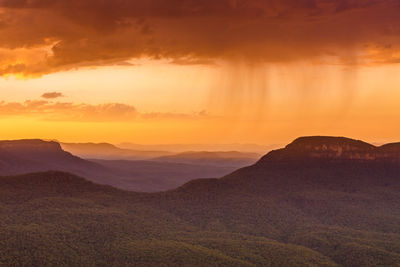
<point x="199" y="71"/>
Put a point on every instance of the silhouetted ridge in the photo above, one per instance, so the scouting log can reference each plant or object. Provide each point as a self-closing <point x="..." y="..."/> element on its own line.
<point x="30" y="145"/>
<point x="27" y="156"/>
<point x="325" y="143"/>
<point x="333" y="149"/>
<point x="35" y="150"/>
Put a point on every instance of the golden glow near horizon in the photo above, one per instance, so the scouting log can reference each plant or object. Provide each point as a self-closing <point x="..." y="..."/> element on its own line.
<point x="199" y="72"/>
<point x="263" y="104"/>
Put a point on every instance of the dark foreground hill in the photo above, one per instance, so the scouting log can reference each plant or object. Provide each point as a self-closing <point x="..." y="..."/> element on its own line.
<point x="317" y="202"/>
<point x="24" y="156"/>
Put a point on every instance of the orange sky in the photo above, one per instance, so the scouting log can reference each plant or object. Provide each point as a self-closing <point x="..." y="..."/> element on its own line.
<point x="180" y="71"/>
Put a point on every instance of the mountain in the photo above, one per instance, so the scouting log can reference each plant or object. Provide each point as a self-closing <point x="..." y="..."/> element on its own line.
<point x="21" y="156"/>
<point x="180" y="148"/>
<point x="109" y="152"/>
<point x="24" y="156"/>
<point x="320" y="201"/>
<point x="335" y="149"/>
<point x="228" y="158"/>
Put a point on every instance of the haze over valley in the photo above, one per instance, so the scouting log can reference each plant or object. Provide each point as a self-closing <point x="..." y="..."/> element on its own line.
<point x="107" y="164"/>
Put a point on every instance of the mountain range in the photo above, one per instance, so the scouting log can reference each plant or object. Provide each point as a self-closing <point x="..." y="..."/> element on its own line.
<point x="23" y="156"/>
<point x="181" y="148"/>
<point x="219" y="158"/>
<point x="105" y="151"/>
<point x="320" y="201"/>
<point x="108" y="151"/>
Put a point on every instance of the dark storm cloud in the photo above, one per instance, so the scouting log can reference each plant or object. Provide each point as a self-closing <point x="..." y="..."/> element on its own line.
<point x="91" y="32"/>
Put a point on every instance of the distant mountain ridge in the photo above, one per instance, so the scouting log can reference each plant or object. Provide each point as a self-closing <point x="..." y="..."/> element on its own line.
<point x="110" y="152"/>
<point x="180" y="148"/>
<point x="26" y="156"/>
<point x="106" y="151"/>
<point x="224" y="158"/>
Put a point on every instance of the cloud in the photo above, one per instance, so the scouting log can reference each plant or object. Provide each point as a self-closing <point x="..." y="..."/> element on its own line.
<point x="189" y="61"/>
<point x="67" y="111"/>
<point x="91" y="32"/>
<point x="179" y="116"/>
<point x="52" y="95"/>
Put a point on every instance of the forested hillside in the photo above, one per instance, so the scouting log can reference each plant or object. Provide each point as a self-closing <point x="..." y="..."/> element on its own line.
<point x="295" y="209"/>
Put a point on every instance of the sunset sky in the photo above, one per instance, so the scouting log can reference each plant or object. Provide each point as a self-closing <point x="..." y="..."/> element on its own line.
<point x="199" y="71"/>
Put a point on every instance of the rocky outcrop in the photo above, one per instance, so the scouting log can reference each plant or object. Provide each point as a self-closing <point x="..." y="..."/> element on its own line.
<point x="334" y="149"/>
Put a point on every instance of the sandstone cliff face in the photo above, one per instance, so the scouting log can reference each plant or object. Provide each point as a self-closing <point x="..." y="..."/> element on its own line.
<point x="334" y="148"/>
